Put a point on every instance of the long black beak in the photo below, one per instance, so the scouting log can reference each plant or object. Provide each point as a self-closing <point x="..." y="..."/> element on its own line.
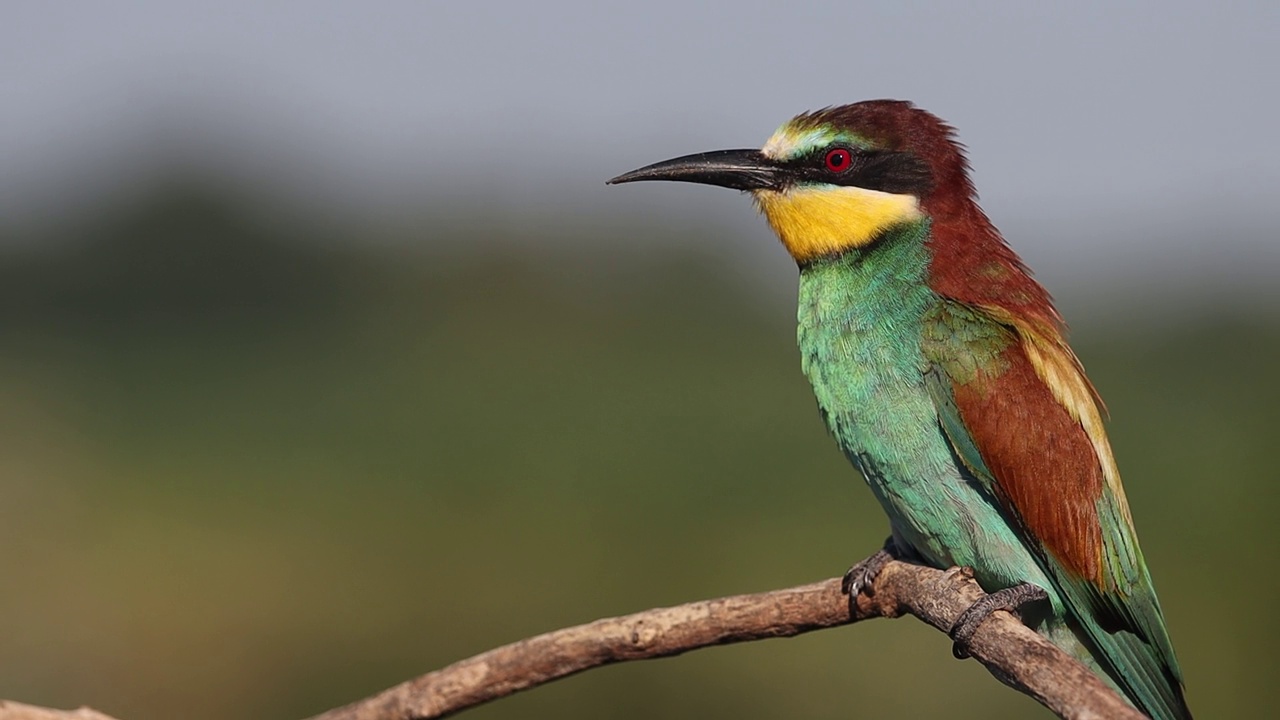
<point x="737" y="169"/>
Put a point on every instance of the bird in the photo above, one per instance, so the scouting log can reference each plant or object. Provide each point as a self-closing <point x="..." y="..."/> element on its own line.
<point x="942" y="370"/>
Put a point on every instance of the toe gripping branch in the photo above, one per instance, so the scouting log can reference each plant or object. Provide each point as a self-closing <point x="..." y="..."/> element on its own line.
<point x="859" y="577"/>
<point x="1008" y="599"/>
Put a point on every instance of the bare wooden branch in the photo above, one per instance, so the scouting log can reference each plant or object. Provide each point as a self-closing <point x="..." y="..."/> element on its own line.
<point x="1013" y="653"/>
<point x="10" y="710"/>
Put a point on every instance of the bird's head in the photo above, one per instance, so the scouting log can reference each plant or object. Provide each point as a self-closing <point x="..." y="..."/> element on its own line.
<point x="837" y="179"/>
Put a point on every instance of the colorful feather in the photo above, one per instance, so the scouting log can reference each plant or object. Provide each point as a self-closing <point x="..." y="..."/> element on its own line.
<point x="942" y="370"/>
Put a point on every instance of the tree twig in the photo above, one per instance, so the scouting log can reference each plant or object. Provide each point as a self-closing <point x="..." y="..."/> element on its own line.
<point x="10" y="710"/>
<point x="1013" y="653"/>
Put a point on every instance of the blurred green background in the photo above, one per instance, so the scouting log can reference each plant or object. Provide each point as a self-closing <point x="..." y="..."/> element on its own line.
<point x="255" y="468"/>
<point x="327" y="358"/>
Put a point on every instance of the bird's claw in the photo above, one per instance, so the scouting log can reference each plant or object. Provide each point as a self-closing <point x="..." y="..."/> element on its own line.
<point x="859" y="577"/>
<point x="1009" y="599"/>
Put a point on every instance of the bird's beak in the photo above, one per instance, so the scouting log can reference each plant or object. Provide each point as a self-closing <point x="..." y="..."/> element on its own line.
<point x="737" y="169"/>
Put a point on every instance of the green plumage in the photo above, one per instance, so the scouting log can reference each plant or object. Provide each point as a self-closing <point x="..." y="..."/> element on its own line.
<point x="940" y="367"/>
<point x="862" y="323"/>
<point x="882" y="351"/>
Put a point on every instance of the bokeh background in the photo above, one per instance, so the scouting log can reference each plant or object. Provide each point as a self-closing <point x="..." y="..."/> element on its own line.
<point x="327" y="358"/>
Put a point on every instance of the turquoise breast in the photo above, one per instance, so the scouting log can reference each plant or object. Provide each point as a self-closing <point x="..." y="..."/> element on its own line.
<point x="860" y="327"/>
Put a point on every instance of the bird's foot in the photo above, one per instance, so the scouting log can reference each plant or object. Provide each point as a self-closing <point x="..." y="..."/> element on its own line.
<point x="860" y="576"/>
<point x="1009" y="599"/>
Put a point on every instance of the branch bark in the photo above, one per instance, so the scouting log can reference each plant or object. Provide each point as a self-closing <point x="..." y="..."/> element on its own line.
<point x="1014" y="654"/>
<point x="10" y="710"/>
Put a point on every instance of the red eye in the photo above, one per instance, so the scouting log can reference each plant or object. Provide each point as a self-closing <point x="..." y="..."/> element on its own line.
<point x="839" y="160"/>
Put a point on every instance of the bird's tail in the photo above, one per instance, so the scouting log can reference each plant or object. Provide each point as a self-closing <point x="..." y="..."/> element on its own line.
<point x="1130" y="665"/>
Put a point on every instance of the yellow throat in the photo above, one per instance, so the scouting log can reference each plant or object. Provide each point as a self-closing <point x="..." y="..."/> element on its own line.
<point x="829" y="219"/>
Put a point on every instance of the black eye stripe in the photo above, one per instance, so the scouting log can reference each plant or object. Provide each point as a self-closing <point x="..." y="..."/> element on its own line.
<point x="882" y="170"/>
<point x="818" y="156"/>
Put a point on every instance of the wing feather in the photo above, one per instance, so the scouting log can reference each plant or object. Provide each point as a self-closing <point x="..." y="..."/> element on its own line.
<point x="1017" y="408"/>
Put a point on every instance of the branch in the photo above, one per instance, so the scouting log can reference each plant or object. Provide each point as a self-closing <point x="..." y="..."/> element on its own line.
<point x="1013" y="653"/>
<point x="10" y="710"/>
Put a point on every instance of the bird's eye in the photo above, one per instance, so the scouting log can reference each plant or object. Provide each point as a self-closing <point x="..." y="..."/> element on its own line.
<point x="839" y="160"/>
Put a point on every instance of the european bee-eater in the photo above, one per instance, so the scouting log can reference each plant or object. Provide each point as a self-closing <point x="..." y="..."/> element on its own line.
<point x="942" y="370"/>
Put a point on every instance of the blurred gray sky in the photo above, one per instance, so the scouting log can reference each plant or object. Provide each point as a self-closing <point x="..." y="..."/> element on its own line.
<point x="1110" y="141"/>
